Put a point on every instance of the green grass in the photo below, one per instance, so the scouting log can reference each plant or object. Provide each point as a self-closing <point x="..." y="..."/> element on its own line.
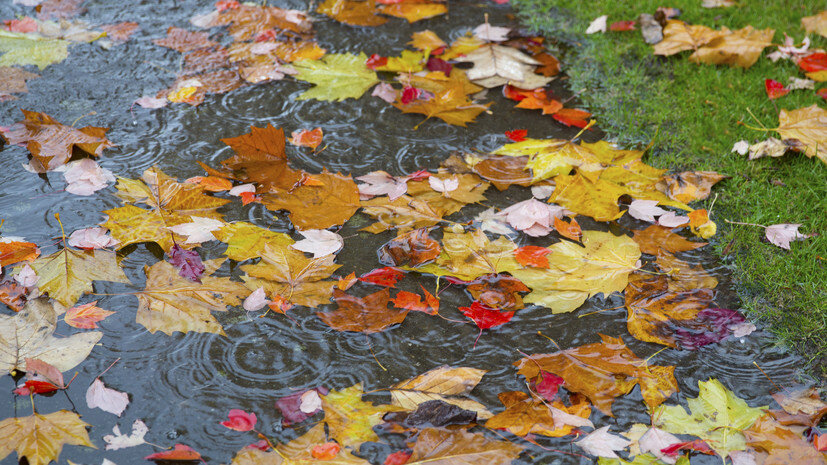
<point x="692" y="112"/>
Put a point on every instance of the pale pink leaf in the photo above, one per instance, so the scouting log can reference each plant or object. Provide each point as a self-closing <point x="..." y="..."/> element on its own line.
<point x="742" y="457"/>
<point x="152" y="102"/>
<point x="37" y="367"/>
<point x="782" y="234"/>
<point x="645" y="210"/>
<point x="491" y="33"/>
<point x="92" y="238"/>
<point x="742" y="329"/>
<point x="443" y="185"/>
<point x="310" y="402"/>
<point x="671" y="220"/>
<point x="26" y="277"/>
<point x="85" y="177"/>
<point x="108" y="400"/>
<point x="256" y="300"/>
<point x="385" y="92"/>
<point x="240" y="189"/>
<point x="199" y="230"/>
<point x="602" y="443"/>
<point x="654" y="440"/>
<point x="382" y="183"/>
<point x="561" y="418"/>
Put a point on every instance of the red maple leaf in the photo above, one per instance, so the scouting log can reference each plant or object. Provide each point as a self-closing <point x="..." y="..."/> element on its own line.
<point x="532" y="255"/>
<point x="517" y="135"/>
<point x="813" y="62"/>
<point x="775" y="89"/>
<point x="486" y="317"/>
<point x="387" y="276"/>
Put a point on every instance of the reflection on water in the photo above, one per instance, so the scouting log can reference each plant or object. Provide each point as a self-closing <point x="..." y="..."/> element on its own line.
<point x="183" y="385"/>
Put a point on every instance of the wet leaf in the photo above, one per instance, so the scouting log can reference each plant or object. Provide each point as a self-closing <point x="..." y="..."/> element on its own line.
<point x="690" y="185"/>
<point x="412" y="301"/>
<point x="297" y="451"/>
<point x="717" y="416"/>
<point x="28" y="334"/>
<point x="170" y="203"/>
<point x="684" y="276"/>
<point x="52" y="143"/>
<point x="68" y="273"/>
<point x="449" y="192"/>
<point x="20" y="49"/>
<point x="14" y="80"/>
<point x="182" y="40"/>
<point x="496" y="65"/>
<point x="86" y="316"/>
<point x="469" y="255"/>
<point x="188" y="263"/>
<point x="657" y="240"/>
<point x="498" y="291"/>
<point x="318" y="206"/>
<point x="532" y="255"/>
<point x="289" y="274"/>
<point x="108" y="400"/>
<point x="603" y="371"/>
<point x="248" y="21"/>
<point x="337" y="76"/>
<point x="404" y="213"/>
<point x="307" y="138"/>
<point x="15" y="251"/>
<point x="444" y="447"/>
<point x="525" y="415"/>
<point x="795" y="401"/>
<point x="366" y="315"/>
<point x="739" y="48"/>
<point x="118" y="441"/>
<point x="413" y="248"/>
<point x="807" y="125"/>
<point x="352" y="12"/>
<point x="575" y="273"/>
<point x="246" y="240"/>
<point x="485" y="317"/>
<point x="170" y="303"/>
<point x="319" y="242"/>
<point x="569" y="230"/>
<point x="450" y="105"/>
<point x="386" y="276"/>
<point x="414" y="11"/>
<point x="602" y="443"/>
<point x="447" y="384"/>
<point x="13" y="294"/>
<point x="349" y="419"/>
<point x="40" y="438"/>
<point x="781" y="443"/>
<point x="179" y="452"/>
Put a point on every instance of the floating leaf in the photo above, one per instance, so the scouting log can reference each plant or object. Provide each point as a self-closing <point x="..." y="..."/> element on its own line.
<point x="447" y="384"/>
<point x="289" y="274"/>
<point x="354" y="13"/>
<point x="21" y="49"/>
<point x="40" y="438"/>
<point x="469" y="255"/>
<point x="366" y="315"/>
<point x="525" y="415"/>
<point x="86" y="316"/>
<point x="337" y="76"/>
<point x="444" y="447"/>
<point x="318" y="206"/>
<point x="68" y="273"/>
<point x="349" y="419"/>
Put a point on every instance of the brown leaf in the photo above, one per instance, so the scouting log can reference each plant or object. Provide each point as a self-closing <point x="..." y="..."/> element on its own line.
<point x="503" y="171"/>
<point x="679" y="36"/>
<point x="366" y="315"/>
<point x="318" y="206"/>
<point x="525" y="415"/>
<point x="603" y="371"/>
<point x="795" y="401"/>
<point x="13" y="80"/>
<point x="205" y="59"/>
<point x="352" y="12"/>
<point x="684" y="276"/>
<point x="458" y="447"/>
<point x="499" y="291"/>
<point x="13" y="294"/>
<point x="470" y="189"/>
<point x="782" y="444"/>
<point x="52" y="143"/>
<point x="655" y="240"/>
<point x="739" y="48"/>
<point x="690" y="185"/>
<point x="447" y="384"/>
<point x="404" y="213"/>
<point x="451" y="105"/>
<point x="247" y="21"/>
<point x="412" y="248"/>
<point x="183" y="40"/>
<point x="17" y="251"/>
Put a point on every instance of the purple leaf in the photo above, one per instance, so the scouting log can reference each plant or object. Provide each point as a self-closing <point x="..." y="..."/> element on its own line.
<point x="710" y="326"/>
<point x="290" y="406"/>
<point x="188" y="263"/>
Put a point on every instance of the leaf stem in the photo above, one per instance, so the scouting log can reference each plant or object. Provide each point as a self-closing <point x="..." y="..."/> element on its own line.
<point x="746" y="224"/>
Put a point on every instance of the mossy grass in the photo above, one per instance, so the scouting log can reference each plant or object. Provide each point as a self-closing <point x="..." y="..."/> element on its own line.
<point x="694" y="114"/>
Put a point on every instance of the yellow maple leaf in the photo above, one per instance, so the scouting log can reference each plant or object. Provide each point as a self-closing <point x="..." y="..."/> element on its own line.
<point x="351" y="420"/>
<point x="469" y="255"/>
<point x="414" y="11"/>
<point x="40" y="438"/>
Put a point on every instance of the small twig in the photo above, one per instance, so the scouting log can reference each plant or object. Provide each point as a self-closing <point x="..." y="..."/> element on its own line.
<point x="768" y="376"/>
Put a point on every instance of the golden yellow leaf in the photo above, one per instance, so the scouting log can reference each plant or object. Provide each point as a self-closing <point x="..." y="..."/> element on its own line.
<point x="816" y="23"/>
<point x="405" y="213"/>
<point x="595" y="199"/>
<point x="461" y="46"/>
<point x="68" y="273"/>
<point x="246" y="240"/>
<point x="353" y="12"/>
<point x="317" y="206"/>
<point x="351" y="420"/>
<point x="447" y="384"/>
<point x="297" y="452"/>
<point x="689" y="186"/>
<point x="576" y="273"/>
<point x="679" y="36"/>
<point x="40" y="438"/>
<point x="524" y="415"/>
<point x="172" y="303"/>
<point x="808" y="125"/>
<point x="450" y="105"/>
<point x="684" y="276"/>
<point x="469" y="255"/>
<point x="553" y="157"/>
<point x="290" y="274"/>
<point x="438" y="82"/>
<point x="414" y="11"/>
<point x="426" y="40"/>
<point x="470" y="189"/>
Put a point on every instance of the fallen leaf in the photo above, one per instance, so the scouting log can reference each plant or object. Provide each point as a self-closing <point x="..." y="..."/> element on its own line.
<point x="497" y="292"/>
<point x="182" y="40"/>
<point x="450" y="105"/>
<point x="68" y="273"/>
<point x="689" y="185"/>
<point x="782" y="444"/>
<point x="299" y="450"/>
<point x="602" y="443"/>
<point x="572" y="117"/>
<point x="40" y="438"/>
<point x="86" y="316"/>
<point x="443" y="447"/>
<point x="179" y="452"/>
<point x="656" y="240"/>
<point x="120" y="32"/>
<point x="187" y="262"/>
<point x="816" y="23"/>
<point x="491" y="33"/>
<point x="771" y="147"/>
<point x="485" y="317"/>
<point x="52" y="143"/>
<point x="597" y="25"/>
<point x="108" y="400"/>
<point x="495" y="65"/>
<point x="317" y="206"/>
<point x="366" y="315"/>
<point x="414" y="10"/>
<point x="645" y="210"/>
<point x="603" y="371"/>
<point x="239" y="420"/>
<point x="796" y="401"/>
<point x="469" y="255"/>
<point x="171" y="303"/>
<point x="319" y="242"/>
<point x="289" y="274"/>
<point x="412" y="248"/>
<point x="569" y="230"/>
<point x="20" y="49"/>
<point x="782" y="234"/>
<point x="337" y="76"/>
<point x="775" y="89"/>
<point x="717" y="416"/>
<point x="354" y="13"/>
<point x="532" y="255"/>
<point x="739" y="48"/>
<point x="41" y="377"/>
<point x="118" y="441"/>
<point x="298" y="407"/>
<point x="447" y="384"/>
<point x="246" y="240"/>
<point x="413" y="301"/>
<point x="386" y="276"/>
<point x="717" y="3"/>
<point x="807" y="125"/>
<point x="14" y="80"/>
<point x="525" y="415"/>
<point x="349" y="419"/>
<point x="14" y="251"/>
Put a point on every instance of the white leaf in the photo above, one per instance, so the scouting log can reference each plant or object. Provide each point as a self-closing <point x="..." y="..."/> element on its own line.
<point x="311" y="402"/>
<point x="152" y="102"/>
<point x="92" y="238"/>
<point x="491" y="33"/>
<point x="121" y="441"/>
<point x="771" y="147"/>
<point x="782" y="234"/>
<point x="108" y="400"/>
<point x="598" y="25"/>
<point x="319" y="242"/>
<point x="443" y="185"/>
<point x="255" y="301"/>
<point x="108" y="462"/>
<point x="561" y="418"/>
<point x="493" y="222"/>
<point x="742" y="329"/>
<point x="382" y="183"/>
<point x="238" y="190"/>
<point x="654" y="440"/>
<point x="742" y="457"/>
<point x="671" y="220"/>
<point x="85" y="177"/>
<point x="495" y="65"/>
<point x="741" y="147"/>
<point x="801" y="84"/>
<point x="205" y="20"/>
<point x="602" y="443"/>
<point x="645" y="210"/>
<point x="26" y="277"/>
<point x="199" y="230"/>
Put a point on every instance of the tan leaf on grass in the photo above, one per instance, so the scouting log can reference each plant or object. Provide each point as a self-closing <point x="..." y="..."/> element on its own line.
<point x="816" y="23"/>
<point x="603" y="371"/>
<point x="171" y="303"/>
<point x="68" y="273"/>
<point x="289" y="274"/>
<point x="739" y="48"/>
<point x="689" y="186"/>
<point x="807" y="125"/>
<point x="29" y="334"/>
<point x="52" y="143"/>
<point x="40" y="438"/>
<point x="446" y="384"/>
<point x="679" y="36"/>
